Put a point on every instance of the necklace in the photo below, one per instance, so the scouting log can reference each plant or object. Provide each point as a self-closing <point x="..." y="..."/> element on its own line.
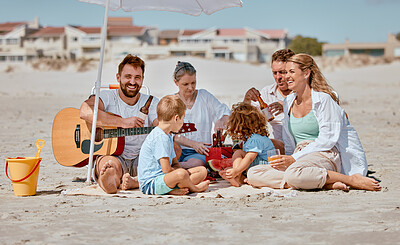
<point x="190" y="102"/>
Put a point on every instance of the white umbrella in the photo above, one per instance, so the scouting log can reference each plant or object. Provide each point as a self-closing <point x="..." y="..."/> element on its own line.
<point x="191" y="7"/>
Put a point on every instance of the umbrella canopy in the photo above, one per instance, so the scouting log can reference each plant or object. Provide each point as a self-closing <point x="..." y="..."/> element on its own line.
<point x="191" y="7"/>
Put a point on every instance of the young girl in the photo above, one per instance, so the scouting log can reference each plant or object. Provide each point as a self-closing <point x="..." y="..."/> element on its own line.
<point x="247" y="123"/>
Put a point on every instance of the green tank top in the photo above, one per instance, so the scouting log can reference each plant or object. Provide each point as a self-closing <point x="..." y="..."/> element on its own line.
<point x="304" y="128"/>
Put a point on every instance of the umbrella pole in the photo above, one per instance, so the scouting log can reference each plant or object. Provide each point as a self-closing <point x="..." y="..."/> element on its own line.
<point x="97" y="94"/>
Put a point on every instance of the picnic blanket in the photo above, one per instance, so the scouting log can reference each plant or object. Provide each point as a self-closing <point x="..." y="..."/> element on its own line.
<point x="217" y="189"/>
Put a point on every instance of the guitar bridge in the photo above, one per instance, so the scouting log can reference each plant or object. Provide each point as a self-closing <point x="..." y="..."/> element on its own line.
<point x="78" y="136"/>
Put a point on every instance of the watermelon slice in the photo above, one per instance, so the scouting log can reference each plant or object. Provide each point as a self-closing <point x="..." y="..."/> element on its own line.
<point x="220" y="164"/>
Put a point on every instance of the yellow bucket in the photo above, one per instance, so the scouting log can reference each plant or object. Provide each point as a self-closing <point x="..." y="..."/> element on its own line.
<point x="24" y="172"/>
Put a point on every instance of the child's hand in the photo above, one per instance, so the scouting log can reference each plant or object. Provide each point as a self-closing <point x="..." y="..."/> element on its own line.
<point x="282" y="163"/>
<point x="231" y="173"/>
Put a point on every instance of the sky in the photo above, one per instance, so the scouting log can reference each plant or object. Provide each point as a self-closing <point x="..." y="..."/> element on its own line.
<point x="331" y="21"/>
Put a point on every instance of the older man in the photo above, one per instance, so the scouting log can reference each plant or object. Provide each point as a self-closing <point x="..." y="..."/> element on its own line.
<point x="275" y="93"/>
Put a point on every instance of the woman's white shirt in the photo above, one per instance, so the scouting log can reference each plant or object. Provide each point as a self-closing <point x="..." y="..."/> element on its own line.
<point x="206" y="110"/>
<point x="334" y="130"/>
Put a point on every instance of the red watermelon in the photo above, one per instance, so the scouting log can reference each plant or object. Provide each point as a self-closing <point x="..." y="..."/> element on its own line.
<point x="220" y="164"/>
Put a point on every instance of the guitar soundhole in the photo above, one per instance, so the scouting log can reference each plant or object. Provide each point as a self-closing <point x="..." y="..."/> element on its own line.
<point x="99" y="135"/>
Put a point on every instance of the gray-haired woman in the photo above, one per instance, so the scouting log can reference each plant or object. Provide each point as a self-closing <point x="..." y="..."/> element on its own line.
<point x="203" y="109"/>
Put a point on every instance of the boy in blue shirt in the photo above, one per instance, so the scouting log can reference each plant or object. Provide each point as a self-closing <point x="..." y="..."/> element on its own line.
<point x="158" y="169"/>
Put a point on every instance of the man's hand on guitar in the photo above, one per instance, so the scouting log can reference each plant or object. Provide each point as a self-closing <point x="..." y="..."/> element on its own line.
<point x="133" y="122"/>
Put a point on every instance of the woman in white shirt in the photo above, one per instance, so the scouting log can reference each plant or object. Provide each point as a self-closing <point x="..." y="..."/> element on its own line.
<point x="323" y="149"/>
<point x="202" y="109"/>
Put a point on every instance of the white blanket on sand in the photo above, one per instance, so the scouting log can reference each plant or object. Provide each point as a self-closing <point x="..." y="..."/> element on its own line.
<point x="218" y="189"/>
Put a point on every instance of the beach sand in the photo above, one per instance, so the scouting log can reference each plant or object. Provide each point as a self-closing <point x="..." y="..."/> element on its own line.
<point x="30" y="100"/>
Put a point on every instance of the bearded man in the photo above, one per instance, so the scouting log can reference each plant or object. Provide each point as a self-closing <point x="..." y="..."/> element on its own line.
<point x="120" y="108"/>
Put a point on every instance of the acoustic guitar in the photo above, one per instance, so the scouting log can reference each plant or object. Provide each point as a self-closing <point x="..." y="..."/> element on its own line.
<point x="71" y="138"/>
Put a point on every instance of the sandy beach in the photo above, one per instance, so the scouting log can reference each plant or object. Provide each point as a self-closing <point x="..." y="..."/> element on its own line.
<point x="30" y="99"/>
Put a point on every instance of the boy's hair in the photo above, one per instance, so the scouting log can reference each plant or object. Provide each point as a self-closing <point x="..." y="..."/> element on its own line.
<point x="246" y="120"/>
<point x="169" y="106"/>
<point x="282" y="55"/>
<point x="133" y="61"/>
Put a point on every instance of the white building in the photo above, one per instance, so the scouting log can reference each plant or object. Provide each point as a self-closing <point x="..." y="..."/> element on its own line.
<point x="244" y="44"/>
<point x="12" y="38"/>
<point x="19" y="42"/>
<point x="390" y="49"/>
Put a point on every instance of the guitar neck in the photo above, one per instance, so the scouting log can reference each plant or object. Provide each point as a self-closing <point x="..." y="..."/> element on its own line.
<point x="122" y="132"/>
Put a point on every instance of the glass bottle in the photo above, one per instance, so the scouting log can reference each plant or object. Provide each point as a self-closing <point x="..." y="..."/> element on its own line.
<point x="265" y="109"/>
<point x="218" y="139"/>
<point x="144" y="111"/>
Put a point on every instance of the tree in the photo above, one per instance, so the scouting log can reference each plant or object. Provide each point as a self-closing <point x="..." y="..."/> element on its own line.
<point x="306" y="45"/>
<point x="398" y="36"/>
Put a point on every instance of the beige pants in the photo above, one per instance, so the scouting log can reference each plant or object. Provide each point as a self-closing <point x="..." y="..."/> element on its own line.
<point x="308" y="172"/>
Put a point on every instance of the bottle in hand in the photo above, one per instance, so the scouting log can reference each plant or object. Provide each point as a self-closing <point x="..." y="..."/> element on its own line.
<point x="265" y="109"/>
<point x="144" y="111"/>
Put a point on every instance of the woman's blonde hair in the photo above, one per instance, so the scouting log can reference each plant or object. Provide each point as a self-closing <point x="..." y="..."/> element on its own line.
<point x="316" y="81"/>
<point x="246" y="120"/>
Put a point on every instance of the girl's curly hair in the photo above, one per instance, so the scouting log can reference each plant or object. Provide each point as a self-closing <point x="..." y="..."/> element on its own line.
<point x="246" y="120"/>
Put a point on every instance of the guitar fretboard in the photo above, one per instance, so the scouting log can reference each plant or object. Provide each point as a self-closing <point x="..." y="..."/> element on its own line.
<point x="121" y="132"/>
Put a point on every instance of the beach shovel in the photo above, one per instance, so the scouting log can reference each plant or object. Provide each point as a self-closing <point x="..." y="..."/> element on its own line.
<point x="24" y="172"/>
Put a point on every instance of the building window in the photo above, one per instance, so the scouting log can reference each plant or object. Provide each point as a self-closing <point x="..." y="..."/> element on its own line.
<point x="219" y="55"/>
<point x="91" y="50"/>
<point x="178" y="53"/>
<point x="371" y="52"/>
<point x="334" y="52"/>
<point x="11" y="41"/>
<point x="397" y="52"/>
<point x="91" y="39"/>
<point x="3" y="58"/>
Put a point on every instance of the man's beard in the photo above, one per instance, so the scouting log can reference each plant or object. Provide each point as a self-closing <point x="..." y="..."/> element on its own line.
<point x="129" y="94"/>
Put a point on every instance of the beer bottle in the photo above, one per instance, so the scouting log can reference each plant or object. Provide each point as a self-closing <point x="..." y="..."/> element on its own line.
<point x="217" y="139"/>
<point x="265" y="109"/>
<point x="144" y="111"/>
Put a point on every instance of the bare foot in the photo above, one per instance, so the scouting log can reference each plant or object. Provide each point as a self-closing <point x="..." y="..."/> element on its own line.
<point x="337" y="186"/>
<point x="364" y="183"/>
<point x="247" y="182"/>
<point x="203" y="186"/>
<point x="179" y="192"/>
<point x="108" y="180"/>
<point x="129" y="182"/>
<point x="234" y="181"/>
